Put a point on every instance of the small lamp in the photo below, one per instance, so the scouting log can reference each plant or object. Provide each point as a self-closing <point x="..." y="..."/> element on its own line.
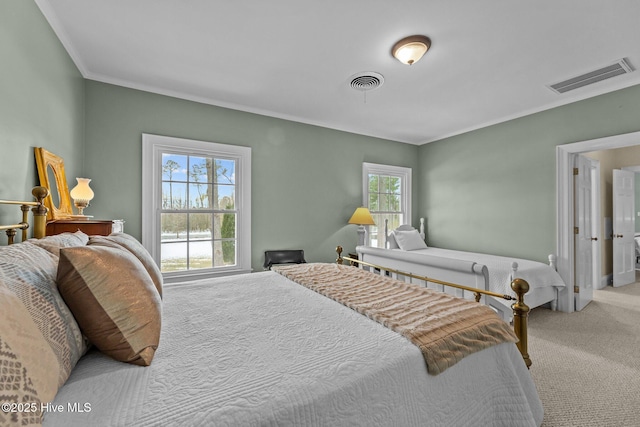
<point x="410" y="49"/>
<point x="81" y="194"/>
<point x="361" y="217"/>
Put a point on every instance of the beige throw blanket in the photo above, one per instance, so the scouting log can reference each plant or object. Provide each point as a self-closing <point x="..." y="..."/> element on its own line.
<point x="444" y="327"/>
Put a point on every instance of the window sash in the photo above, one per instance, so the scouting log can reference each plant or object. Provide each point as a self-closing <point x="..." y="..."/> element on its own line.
<point x="154" y="146"/>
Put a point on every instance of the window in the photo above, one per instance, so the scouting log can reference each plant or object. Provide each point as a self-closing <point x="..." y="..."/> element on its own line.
<point x="387" y="194"/>
<point x="196" y="206"/>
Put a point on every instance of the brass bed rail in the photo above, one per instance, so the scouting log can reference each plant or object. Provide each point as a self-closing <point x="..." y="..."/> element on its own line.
<point x="39" y="216"/>
<point x="519" y="286"/>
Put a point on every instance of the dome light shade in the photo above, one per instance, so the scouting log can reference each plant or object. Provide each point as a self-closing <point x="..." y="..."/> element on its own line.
<point x="410" y="49"/>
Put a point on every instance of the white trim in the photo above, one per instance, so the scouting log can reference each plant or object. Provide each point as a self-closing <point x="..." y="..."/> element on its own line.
<point x="152" y="148"/>
<point x="565" y="156"/>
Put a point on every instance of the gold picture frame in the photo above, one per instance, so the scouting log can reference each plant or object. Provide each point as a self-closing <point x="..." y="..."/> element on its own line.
<point x="47" y="161"/>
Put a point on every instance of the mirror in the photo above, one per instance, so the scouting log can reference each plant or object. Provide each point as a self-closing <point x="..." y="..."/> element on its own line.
<point x="51" y="165"/>
<point x="53" y="191"/>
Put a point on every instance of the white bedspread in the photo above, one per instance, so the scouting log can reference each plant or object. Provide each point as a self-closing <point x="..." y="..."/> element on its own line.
<point x="537" y="274"/>
<point x="258" y="349"/>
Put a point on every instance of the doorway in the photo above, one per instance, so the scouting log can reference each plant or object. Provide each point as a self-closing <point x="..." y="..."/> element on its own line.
<point x="565" y="161"/>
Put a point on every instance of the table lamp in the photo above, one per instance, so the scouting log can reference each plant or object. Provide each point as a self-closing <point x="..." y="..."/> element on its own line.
<point x="362" y="217"/>
<point x="81" y="194"/>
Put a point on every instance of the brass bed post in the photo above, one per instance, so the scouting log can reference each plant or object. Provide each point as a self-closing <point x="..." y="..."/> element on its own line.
<point x="39" y="212"/>
<point x="521" y="317"/>
<point x="25" y="220"/>
<point x="11" y="234"/>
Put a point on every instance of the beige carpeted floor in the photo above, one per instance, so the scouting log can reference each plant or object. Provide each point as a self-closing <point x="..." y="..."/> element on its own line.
<point x="586" y="365"/>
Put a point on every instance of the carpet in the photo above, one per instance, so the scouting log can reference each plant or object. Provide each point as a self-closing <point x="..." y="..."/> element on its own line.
<point x="586" y="365"/>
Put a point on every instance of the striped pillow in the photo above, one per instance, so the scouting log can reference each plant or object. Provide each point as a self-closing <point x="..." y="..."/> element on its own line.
<point x="113" y="299"/>
<point x="125" y="241"/>
<point x="40" y="341"/>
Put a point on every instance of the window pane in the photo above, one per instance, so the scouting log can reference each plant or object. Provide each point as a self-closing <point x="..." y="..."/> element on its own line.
<point x="384" y="187"/>
<point x="174" y="167"/>
<point x="373" y="202"/>
<point x="199" y="196"/>
<point x="200" y="254"/>
<point x="200" y="226"/>
<point x="394" y="184"/>
<point x="225" y="171"/>
<point x="384" y="202"/>
<point x="173" y="226"/>
<point x="199" y="169"/>
<point x="373" y="183"/>
<point x="394" y="202"/>
<point x="174" y="195"/>
<point x="226" y="195"/>
<point x="173" y="256"/>
<point x="227" y="225"/>
<point x="228" y="252"/>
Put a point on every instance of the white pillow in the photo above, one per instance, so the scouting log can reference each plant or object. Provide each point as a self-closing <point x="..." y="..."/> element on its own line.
<point x="391" y="240"/>
<point x="409" y="240"/>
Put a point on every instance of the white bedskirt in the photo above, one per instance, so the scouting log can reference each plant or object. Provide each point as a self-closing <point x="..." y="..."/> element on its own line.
<point x="258" y="349"/>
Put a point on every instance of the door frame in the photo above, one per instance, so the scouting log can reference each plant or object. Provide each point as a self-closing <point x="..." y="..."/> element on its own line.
<point x="565" y="157"/>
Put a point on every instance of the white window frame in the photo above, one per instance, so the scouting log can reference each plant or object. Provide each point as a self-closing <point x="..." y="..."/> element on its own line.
<point x="152" y="148"/>
<point x="401" y="172"/>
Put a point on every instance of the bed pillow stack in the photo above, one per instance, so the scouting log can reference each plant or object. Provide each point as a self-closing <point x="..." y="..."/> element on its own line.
<point x="113" y="288"/>
<point x="409" y="240"/>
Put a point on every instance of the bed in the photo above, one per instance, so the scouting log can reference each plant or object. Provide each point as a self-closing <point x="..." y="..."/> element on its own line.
<point x="253" y="349"/>
<point x="544" y="280"/>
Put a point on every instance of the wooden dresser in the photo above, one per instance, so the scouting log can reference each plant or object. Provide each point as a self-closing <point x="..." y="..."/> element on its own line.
<point x="91" y="227"/>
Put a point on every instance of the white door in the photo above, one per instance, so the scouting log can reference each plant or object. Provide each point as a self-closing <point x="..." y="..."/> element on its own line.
<point x="624" y="254"/>
<point x="583" y="239"/>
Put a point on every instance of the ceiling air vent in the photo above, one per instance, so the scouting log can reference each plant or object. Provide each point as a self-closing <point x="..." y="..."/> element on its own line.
<point x="367" y="80"/>
<point x="621" y="67"/>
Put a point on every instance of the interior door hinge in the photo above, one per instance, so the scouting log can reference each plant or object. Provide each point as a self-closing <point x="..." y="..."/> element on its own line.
<point x="576" y="230"/>
<point x="576" y="289"/>
<point x="575" y="171"/>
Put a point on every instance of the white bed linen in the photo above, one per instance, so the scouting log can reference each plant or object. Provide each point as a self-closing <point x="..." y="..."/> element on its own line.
<point x="537" y="274"/>
<point x="258" y="349"/>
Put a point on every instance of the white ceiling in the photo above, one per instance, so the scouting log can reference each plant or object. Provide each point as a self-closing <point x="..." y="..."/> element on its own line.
<point x="490" y="60"/>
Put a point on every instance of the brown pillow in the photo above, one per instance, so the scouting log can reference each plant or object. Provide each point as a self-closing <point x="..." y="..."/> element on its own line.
<point x="121" y="240"/>
<point x="113" y="299"/>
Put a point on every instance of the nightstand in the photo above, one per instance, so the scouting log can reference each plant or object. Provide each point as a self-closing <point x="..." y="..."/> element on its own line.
<point x="92" y="227"/>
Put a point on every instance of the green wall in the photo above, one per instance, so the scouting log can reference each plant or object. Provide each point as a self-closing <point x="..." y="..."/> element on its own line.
<point x="41" y="102"/>
<point x="494" y="190"/>
<point x="306" y="180"/>
<point x="491" y="190"/>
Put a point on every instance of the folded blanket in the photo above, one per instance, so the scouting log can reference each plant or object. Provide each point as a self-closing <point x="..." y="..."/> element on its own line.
<point x="444" y="327"/>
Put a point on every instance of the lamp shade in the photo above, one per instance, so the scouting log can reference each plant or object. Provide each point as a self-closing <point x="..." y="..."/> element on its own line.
<point x="362" y="216"/>
<point x="82" y="191"/>
<point x="81" y="194"/>
<point x="410" y="49"/>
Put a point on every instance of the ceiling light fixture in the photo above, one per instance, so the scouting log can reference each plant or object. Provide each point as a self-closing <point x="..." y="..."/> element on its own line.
<point x="410" y="49"/>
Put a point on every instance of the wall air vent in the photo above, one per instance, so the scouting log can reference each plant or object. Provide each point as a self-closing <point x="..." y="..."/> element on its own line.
<point x="621" y="67"/>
